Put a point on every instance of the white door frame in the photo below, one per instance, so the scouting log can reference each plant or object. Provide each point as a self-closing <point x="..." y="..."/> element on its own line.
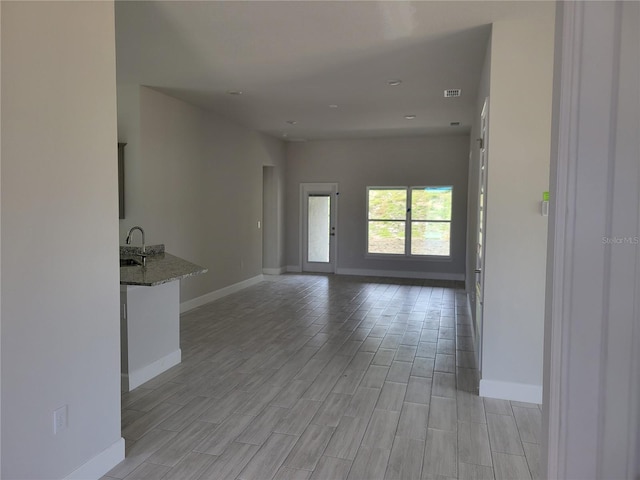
<point x="307" y="189"/>
<point x="591" y="417"/>
<point x="481" y="227"/>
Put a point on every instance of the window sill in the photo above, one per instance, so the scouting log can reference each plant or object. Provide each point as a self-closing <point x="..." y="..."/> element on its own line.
<point x="408" y="258"/>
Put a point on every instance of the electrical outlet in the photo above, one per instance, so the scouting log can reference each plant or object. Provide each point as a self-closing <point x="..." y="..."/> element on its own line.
<point x="60" y="421"/>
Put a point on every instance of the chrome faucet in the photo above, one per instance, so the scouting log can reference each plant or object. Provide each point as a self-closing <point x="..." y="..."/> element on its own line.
<point x="143" y="254"/>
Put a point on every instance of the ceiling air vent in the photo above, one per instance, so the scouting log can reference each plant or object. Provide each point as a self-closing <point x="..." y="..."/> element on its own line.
<point x="453" y="92"/>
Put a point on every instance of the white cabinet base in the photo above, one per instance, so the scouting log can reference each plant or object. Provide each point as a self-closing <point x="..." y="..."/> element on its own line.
<point x="149" y="332"/>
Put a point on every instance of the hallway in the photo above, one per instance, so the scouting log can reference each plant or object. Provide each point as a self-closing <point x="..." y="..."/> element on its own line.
<point x="327" y="377"/>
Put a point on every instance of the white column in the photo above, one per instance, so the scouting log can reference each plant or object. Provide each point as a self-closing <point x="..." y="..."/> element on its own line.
<point x="592" y="346"/>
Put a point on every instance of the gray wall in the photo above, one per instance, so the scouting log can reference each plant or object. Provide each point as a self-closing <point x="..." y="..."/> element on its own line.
<point x="194" y="181"/>
<point x="60" y="327"/>
<point x="356" y="164"/>
<point x="516" y="232"/>
<point x="272" y="220"/>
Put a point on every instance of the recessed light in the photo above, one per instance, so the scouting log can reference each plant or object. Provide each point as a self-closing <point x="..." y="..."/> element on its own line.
<point x="234" y="92"/>
<point x="394" y="83"/>
<point x="291" y="122"/>
<point x="455" y="124"/>
<point x="333" y="105"/>
<point x="409" y="117"/>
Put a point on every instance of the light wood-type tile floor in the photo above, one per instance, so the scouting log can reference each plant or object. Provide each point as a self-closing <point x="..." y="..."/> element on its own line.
<point x="327" y="377"/>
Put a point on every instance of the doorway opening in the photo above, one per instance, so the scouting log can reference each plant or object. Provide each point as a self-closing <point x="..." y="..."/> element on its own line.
<point x="269" y="222"/>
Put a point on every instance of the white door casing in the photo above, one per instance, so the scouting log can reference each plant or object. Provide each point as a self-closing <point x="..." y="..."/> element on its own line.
<point x="483" y="142"/>
<point x="318" y="231"/>
<point x="591" y="414"/>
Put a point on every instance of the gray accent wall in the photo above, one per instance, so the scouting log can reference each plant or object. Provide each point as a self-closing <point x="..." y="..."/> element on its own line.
<point x="357" y="164"/>
<point x="194" y="181"/>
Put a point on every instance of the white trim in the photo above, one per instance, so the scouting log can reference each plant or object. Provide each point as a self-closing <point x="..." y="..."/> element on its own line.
<point x="481" y="226"/>
<point x="408" y="220"/>
<point x="138" y="377"/>
<point x="365" y="272"/>
<point x="519" y="392"/>
<point x="325" y="188"/>
<point x="293" y="269"/>
<point x="274" y="271"/>
<point x="404" y="257"/>
<point x="585" y="431"/>
<point x="475" y="334"/>
<point x="216" y="294"/>
<point x="469" y="309"/>
<point x="100" y="464"/>
<point x="560" y="239"/>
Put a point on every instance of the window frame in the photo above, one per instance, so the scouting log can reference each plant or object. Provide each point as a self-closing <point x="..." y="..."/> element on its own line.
<point x="408" y="224"/>
<point x="404" y="220"/>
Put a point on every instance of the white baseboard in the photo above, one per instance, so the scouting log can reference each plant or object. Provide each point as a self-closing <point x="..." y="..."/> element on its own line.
<point x="365" y="272"/>
<point x="400" y="274"/>
<point x="274" y="271"/>
<point x="215" y="295"/>
<point x="100" y="464"/>
<point x="519" y="392"/>
<point x="138" y="377"/>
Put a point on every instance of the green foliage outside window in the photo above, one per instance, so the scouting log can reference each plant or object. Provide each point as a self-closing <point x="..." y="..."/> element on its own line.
<point x="429" y="218"/>
<point x="387" y="204"/>
<point x="431" y="203"/>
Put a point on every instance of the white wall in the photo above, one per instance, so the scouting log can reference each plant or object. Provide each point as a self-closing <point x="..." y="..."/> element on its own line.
<point x="356" y="164"/>
<point x="60" y="327"/>
<point x="193" y="181"/>
<point x="519" y="156"/>
<point x="592" y="382"/>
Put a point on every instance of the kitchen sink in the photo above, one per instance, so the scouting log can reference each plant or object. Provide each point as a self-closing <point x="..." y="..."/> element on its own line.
<point x="129" y="262"/>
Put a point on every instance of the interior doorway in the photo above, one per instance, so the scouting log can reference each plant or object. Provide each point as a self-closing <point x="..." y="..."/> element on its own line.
<point x="269" y="221"/>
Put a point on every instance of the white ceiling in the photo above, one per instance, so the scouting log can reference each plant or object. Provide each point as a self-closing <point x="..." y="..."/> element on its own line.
<point x="292" y="59"/>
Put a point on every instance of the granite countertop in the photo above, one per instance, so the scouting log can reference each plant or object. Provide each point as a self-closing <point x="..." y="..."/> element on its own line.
<point x="161" y="267"/>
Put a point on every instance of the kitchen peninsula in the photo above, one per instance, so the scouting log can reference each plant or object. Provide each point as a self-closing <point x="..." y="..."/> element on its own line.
<point x="150" y="312"/>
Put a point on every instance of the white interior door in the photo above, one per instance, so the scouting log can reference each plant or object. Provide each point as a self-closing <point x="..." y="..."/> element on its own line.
<point x="318" y="221"/>
<point x="482" y="218"/>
